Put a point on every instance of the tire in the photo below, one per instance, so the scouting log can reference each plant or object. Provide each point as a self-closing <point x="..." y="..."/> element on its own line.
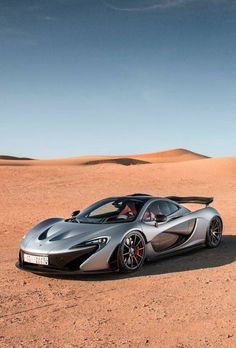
<point x="214" y="232"/>
<point x="131" y="252"/>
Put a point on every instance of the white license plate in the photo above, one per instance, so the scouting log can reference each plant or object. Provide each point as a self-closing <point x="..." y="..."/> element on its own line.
<point x="38" y="260"/>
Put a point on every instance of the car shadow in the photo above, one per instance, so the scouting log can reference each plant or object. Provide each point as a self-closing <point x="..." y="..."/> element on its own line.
<point x="192" y="260"/>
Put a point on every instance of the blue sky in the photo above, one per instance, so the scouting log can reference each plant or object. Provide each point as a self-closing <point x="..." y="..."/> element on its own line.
<point x="117" y="76"/>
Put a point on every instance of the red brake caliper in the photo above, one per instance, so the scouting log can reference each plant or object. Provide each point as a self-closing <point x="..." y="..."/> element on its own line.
<point x="137" y="251"/>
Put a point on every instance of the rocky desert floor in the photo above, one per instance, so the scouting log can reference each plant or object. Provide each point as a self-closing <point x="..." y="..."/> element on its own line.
<point x="185" y="301"/>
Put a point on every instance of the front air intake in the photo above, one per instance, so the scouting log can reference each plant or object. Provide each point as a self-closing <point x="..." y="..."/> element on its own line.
<point x="43" y="235"/>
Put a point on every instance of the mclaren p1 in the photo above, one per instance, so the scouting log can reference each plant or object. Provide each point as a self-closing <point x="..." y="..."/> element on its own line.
<point x="119" y="234"/>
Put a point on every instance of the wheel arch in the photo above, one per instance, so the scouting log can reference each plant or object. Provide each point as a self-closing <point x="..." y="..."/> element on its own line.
<point x="214" y="242"/>
<point x="113" y="258"/>
<point x="219" y="217"/>
<point x="136" y="230"/>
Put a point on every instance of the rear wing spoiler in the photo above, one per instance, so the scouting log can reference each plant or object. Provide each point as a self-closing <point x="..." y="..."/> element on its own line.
<point x="196" y="200"/>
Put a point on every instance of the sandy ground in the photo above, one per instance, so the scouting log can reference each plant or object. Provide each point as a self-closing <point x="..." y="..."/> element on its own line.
<point x="184" y="301"/>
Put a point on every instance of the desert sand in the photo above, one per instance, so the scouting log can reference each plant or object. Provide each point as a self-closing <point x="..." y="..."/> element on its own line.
<point x="184" y="301"/>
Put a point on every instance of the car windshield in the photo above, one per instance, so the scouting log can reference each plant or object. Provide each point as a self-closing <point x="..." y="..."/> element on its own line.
<point x="112" y="211"/>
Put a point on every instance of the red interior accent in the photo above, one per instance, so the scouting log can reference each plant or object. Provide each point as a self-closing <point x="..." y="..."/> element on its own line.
<point x="129" y="208"/>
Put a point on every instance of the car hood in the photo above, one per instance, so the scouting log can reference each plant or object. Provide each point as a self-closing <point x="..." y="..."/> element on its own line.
<point x="60" y="236"/>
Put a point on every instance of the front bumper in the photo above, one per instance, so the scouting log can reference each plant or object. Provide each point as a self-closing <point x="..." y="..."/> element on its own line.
<point x="61" y="263"/>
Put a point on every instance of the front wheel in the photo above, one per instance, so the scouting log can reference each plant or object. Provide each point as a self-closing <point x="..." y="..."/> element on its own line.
<point x="131" y="252"/>
<point x="214" y="233"/>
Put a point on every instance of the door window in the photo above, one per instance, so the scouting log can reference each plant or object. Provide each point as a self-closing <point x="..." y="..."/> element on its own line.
<point x="167" y="208"/>
<point x="151" y="212"/>
<point x="159" y="207"/>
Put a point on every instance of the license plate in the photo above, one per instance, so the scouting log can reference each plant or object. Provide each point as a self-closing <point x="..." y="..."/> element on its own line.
<point x="38" y="260"/>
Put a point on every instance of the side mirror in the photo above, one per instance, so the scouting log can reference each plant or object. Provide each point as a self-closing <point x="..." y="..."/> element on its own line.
<point x="76" y="212"/>
<point x="160" y="218"/>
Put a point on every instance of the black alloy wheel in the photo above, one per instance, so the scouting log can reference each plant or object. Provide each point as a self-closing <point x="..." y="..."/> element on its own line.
<point x="131" y="252"/>
<point x="214" y="233"/>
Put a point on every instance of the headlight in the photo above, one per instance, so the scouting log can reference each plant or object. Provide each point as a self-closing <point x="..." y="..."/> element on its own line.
<point x="100" y="242"/>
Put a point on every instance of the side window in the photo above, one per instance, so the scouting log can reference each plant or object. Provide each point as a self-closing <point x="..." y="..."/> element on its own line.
<point x="173" y="207"/>
<point x="164" y="208"/>
<point x="159" y="207"/>
<point x="167" y="208"/>
<point x="151" y="212"/>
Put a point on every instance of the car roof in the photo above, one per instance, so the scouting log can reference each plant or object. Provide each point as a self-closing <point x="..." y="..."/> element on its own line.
<point x="140" y="196"/>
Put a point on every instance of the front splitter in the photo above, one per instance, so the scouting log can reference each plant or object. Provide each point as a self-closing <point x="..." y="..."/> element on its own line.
<point x="52" y="271"/>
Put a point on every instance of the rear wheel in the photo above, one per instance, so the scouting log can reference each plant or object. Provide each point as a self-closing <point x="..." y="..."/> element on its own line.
<point x="131" y="252"/>
<point x="214" y="233"/>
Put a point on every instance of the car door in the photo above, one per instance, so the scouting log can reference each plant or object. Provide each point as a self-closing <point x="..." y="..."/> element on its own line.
<point x="166" y="235"/>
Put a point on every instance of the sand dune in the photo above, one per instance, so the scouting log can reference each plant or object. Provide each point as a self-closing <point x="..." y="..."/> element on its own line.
<point x="175" y="155"/>
<point x="153" y="307"/>
<point x="14" y="158"/>
<point x="123" y="161"/>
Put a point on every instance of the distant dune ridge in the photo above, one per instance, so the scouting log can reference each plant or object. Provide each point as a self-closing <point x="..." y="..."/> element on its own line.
<point x="174" y="155"/>
<point x="14" y="158"/>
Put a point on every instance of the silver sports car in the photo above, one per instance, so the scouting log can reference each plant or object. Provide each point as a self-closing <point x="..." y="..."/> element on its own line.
<point x="119" y="233"/>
